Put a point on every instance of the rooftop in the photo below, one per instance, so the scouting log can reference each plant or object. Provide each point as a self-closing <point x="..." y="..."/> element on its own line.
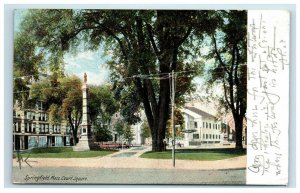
<point x="200" y="112"/>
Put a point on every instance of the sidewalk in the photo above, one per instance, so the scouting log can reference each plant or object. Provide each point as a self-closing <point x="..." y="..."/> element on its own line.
<point x="129" y="158"/>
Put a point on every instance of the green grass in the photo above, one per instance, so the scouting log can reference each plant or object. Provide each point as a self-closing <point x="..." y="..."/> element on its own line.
<point x="196" y="154"/>
<point x="66" y="152"/>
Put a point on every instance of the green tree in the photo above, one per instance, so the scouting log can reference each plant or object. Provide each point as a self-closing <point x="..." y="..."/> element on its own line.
<point x="124" y="131"/>
<point x="128" y="134"/>
<point x="102" y="133"/>
<point x="102" y="106"/>
<point x="26" y="67"/>
<point x="229" y="50"/>
<point x="178" y="120"/>
<point x="145" y="130"/>
<point x="63" y="99"/>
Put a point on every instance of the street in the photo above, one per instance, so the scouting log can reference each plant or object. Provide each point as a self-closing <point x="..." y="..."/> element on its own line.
<point x="71" y="175"/>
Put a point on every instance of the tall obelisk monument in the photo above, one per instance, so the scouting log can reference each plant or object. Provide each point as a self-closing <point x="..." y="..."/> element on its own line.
<point x="83" y="143"/>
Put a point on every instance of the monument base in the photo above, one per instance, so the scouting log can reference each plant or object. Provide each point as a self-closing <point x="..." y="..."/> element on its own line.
<point x="82" y="145"/>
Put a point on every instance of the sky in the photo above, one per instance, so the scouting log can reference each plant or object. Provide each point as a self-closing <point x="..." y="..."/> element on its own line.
<point x="91" y="63"/>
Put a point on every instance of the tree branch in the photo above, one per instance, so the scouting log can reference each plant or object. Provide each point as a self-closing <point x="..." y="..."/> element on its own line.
<point x="157" y="52"/>
<point x="188" y="32"/>
<point x="218" y="54"/>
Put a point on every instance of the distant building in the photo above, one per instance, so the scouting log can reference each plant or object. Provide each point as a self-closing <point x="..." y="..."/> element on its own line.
<point x="231" y="129"/>
<point x="31" y="128"/>
<point x="136" y="129"/>
<point x="201" y="127"/>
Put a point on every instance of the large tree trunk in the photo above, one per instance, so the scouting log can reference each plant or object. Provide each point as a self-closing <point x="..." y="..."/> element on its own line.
<point x="238" y="121"/>
<point x="166" y="52"/>
<point x="162" y="117"/>
<point x="74" y="130"/>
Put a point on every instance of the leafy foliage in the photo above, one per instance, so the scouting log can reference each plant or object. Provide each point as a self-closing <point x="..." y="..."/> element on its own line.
<point x="178" y="120"/>
<point x="102" y="133"/>
<point x="145" y="130"/>
<point x="63" y="99"/>
<point x="26" y="66"/>
<point x="102" y="104"/>
<point x="124" y="130"/>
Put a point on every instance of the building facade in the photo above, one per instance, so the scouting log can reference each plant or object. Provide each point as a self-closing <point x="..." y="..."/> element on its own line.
<point x="31" y="128"/>
<point x="201" y="127"/>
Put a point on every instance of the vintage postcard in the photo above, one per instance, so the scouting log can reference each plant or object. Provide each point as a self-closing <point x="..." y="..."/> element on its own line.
<point x="104" y="96"/>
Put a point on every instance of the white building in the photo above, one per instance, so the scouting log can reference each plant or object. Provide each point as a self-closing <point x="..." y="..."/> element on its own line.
<point x="136" y="130"/>
<point x="201" y="127"/>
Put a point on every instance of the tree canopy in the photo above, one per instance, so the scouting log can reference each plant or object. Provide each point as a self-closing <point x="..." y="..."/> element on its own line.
<point x="145" y="47"/>
<point x="62" y="97"/>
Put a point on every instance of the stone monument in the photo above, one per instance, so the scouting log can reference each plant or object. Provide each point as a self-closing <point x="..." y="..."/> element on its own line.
<point x="85" y="131"/>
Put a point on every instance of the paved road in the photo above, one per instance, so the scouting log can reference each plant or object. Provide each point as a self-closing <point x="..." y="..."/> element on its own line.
<point x="68" y="175"/>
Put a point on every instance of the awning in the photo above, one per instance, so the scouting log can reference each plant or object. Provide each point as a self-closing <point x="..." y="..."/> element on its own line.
<point x="189" y="131"/>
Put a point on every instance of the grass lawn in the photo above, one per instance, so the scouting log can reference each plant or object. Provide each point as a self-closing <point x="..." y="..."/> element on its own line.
<point x="66" y="152"/>
<point x="196" y="154"/>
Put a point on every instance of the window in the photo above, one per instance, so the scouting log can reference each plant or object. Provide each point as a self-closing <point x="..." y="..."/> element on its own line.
<point x="213" y="136"/>
<point x="209" y="136"/>
<point x="47" y="128"/>
<point x="195" y="136"/>
<point x="25" y="125"/>
<point x="29" y="127"/>
<point x="206" y="125"/>
<point x="210" y="125"/>
<point x="42" y="128"/>
<point x="203" y="136"/>
<point x="206" y="136"/>
<point x="195" y="124"/>
<point x="33" y="128"/>
<point x="203" y="124"/>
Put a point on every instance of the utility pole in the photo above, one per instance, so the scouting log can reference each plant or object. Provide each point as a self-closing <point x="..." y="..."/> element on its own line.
<point x="173" y="122"/>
